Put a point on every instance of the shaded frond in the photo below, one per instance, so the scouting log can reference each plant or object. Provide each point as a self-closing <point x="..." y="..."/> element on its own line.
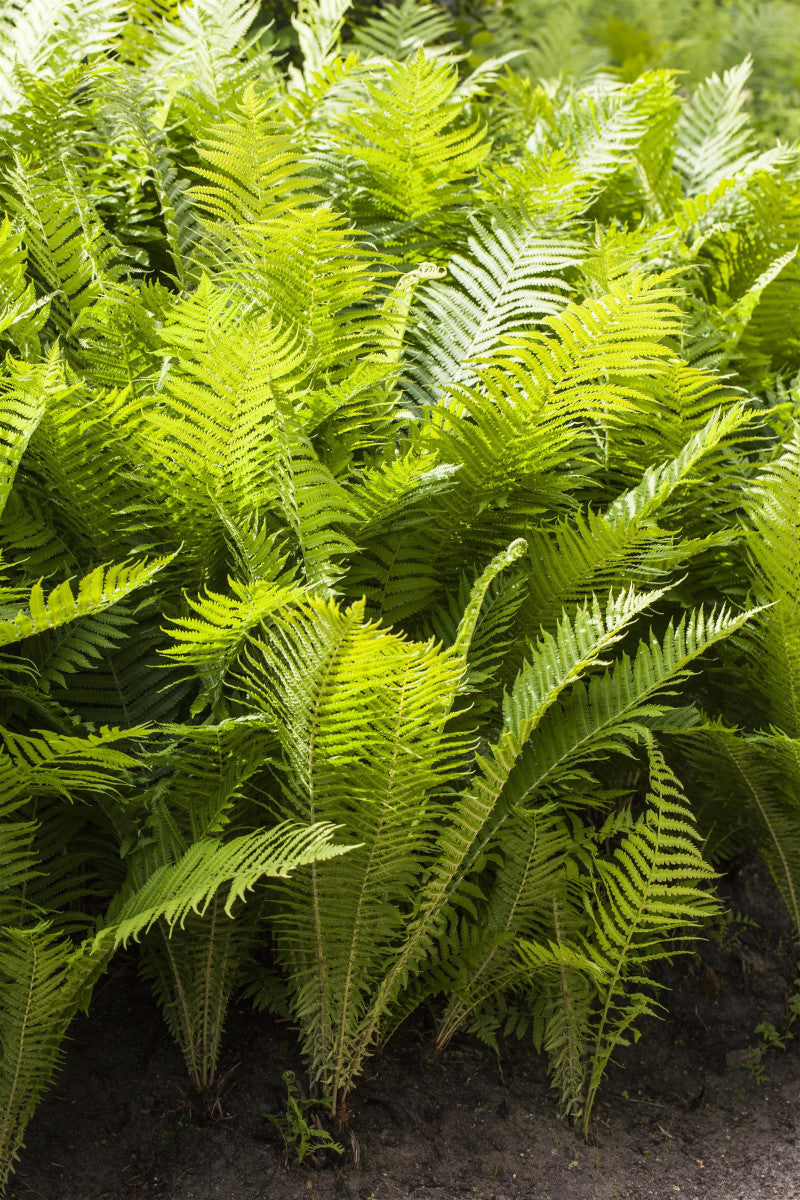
<point x="398" y="30"/>
<point x="45" y="981"/>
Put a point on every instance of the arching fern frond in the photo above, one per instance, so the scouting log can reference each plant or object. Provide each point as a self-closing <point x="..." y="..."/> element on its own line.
<point x="598" y="551"/>
<point x="188" y="886"/>
<point x="98" y="590"/>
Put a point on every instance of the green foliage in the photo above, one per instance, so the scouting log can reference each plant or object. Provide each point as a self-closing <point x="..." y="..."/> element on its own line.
<point x="303" y="1138"/>
<point x="397" y="445"/>
<point x="646" y="896"/>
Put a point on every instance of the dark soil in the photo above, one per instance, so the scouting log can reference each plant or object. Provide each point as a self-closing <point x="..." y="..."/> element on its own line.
<point x="689" y="1114"/>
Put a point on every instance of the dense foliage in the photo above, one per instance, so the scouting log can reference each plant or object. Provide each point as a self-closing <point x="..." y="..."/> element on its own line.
<point x="400" y="485"/>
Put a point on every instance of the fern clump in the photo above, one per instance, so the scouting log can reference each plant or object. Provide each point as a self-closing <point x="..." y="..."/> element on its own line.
<point x="398" y="465"/>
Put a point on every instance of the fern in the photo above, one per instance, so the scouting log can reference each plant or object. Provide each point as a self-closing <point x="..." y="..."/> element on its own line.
<point x="385" y="437"/>
<point x="647" y="898"/>
<point x="399" y="30"/>
<point x="712" y="136"/>
<point x="514" y="280"/>
<point x="45" y="981"/>
<point x="427" y="167"/>
<point x="23" y="314"/>
<point x="97" y="591"/>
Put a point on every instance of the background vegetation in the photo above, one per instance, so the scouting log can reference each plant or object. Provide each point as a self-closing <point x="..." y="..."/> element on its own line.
<point x="400" y="486"/>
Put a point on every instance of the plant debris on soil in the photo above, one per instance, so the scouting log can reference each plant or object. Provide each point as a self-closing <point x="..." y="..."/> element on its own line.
<point x="699" y="1109"/>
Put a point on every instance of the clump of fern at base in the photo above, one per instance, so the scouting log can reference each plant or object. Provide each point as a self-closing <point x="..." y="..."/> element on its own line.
<point x="398" y="502"/>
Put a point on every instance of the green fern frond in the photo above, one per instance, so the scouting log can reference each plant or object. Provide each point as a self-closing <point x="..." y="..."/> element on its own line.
<point x="557" y="663"/>
<point x="513" y="278"/>
<point x="324" y="674"/>
<point x="69" y="250"/>
<point x="713" y="138"/>
<point x="196" y="61"/>
<point x="24" y="396"/>
<point x="54" y="764"/>
<point x="649" y="894"/>
<point x="314" y="505"/>
<point x="647" y="897"/>
<point x="46" y="980"/>
<point x="206" y="432"/>
<point x="613" y="710"/>
<point x="22" y="314"/>
<point x="177" y="211"/>
<point x="318" y="24"/>
<point x="515" y="436"/>
<point x="211" y="641"/>
<point x="399" y="30"/>
<point x="140" y="33"/>
<point x="50" y="36"/>
<point x="531" y="873"/>
<point x="428" y="166"/>
<point x="98" y="590"/>
<point x="188" y="886"/>
<point x="595" y="552"/>
<point x="253" y="170"/>
<point x="774" y="514"/>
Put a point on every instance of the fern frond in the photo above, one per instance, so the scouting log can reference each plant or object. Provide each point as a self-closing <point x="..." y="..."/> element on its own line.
<point x="613" y="710"/>
<point x="69" y="249"/>
<point x="205" y="434"/>
<point x="398" y="30"/>
<point x="195" y="58"/>
<point x="713" y="138"/>
<point x="253" y="170"/>
<point x="314" y="505"/>
<point x="774" y="514"/>
<point x="45" y="981"/>
<point x="50" y="36"/>
<point x="649" y="894"/>
<point x="516" y="433"/>
<point x="598" y="551"/>
<point x="188" y="886"/>
<point x="54" y="764"/>
<point x="557" y="663"/>
<point x="324" y="674"/>
<point x="211" y="641"/>
<point x="22" y="314"/>
<point x="416" y="163"/>
<point x="98" y="590"/>
<point x="318" y="24"/>
<point x="513" y="278"/>
<point x="24" y="395"/>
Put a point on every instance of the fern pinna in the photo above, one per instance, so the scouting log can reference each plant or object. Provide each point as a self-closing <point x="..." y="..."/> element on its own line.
<point x="386" y="436"/>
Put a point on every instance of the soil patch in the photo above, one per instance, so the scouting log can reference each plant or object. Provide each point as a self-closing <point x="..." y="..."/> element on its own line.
<point x="689" y="1114"/>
